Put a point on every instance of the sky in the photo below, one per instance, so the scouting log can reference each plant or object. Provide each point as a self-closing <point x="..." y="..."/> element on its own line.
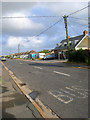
<point x="25" y="31"/>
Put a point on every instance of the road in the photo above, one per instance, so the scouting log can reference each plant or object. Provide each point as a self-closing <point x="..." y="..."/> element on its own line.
<point x="62" y="87"/>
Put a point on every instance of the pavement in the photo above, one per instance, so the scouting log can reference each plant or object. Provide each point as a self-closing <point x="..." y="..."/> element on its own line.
<point x="14" y="104"/>
<point x="61" y="87"/>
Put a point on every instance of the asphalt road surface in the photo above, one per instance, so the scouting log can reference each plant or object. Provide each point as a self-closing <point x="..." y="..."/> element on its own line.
<point x="62" y="87"/>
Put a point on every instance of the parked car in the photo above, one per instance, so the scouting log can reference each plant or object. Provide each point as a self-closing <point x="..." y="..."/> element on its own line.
<point x="3" y="58"/>
<point x="49" y="57"/>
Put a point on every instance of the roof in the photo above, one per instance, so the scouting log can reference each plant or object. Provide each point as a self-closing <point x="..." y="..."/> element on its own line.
<point x="32" y="52"/>
<point x="72" y="39"/>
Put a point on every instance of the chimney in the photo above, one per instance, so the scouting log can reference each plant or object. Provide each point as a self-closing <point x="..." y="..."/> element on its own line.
<point x="85" y="32"/>
<point x="68" y="36"/>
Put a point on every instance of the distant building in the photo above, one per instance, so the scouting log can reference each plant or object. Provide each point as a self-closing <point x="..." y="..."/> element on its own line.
<point x="32" y="54"/>
<point x="41" y="55"/>
<point x="75" y="43"/>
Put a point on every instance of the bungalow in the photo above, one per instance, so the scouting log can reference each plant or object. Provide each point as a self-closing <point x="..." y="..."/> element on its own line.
<point x="75" y="43"/>
<point x="32" y="54"/>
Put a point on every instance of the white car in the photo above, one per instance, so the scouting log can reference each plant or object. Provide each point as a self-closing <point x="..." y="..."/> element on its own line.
<point x="49" y="57"/>
<point x="3" y="58"/>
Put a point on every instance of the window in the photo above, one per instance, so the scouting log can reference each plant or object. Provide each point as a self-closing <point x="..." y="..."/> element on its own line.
<point x="65" y="44"/>
<point x="70" y="44"/>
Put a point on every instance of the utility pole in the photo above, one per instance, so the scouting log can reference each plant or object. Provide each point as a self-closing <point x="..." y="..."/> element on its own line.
<point x="18" y="48"/>
<point x="65" y="20"/>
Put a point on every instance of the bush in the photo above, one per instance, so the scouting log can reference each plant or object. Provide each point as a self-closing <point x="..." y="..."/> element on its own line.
<point x="87" y="61"/>
<point x="44" y="51"/>
<point x="77" y="56"/>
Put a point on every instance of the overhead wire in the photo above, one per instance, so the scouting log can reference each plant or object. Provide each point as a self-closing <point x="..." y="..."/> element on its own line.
<point x="49" y="16"/>
<point x="43" y="16"/>
<point x="79" y="10"/>
<point x="49" y="27"/>
<point x="61" y="19"/>
<point x="5" y="17"/>
<point x="78" y="18"/>
<point x="79" y="23"/>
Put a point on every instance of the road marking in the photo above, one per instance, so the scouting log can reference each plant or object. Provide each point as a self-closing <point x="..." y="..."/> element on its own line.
<point x="83" y="94"/>
<point x="61" y="73"/>
<point x="38" y="67"/>
<point x="67" y="92"/>
<point x="20" y="63"/>
<point x="61" y="97"/>
<point x="79" y="88"/>
<point x="66" y="96"/>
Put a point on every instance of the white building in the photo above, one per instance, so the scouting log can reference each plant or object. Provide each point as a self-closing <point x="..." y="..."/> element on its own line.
<point x="41" y="55"/>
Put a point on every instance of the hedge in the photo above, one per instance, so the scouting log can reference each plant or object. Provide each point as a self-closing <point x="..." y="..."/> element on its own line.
<point x="79" y="56"/>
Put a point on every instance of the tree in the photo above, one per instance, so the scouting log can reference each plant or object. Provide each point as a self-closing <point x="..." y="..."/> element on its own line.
<point x="44" y="51"/>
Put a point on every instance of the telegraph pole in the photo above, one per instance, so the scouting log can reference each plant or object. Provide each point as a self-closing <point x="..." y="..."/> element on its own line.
<point x="18" y="48"/>
<point x="65" y="20"/>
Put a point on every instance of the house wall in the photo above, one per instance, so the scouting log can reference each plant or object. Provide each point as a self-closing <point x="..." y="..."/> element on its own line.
<point x="25" y="56"/>
<point x="21" y="56"/>
<point x="85" y="44"/>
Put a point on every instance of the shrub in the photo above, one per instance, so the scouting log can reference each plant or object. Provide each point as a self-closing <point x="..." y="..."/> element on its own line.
<point x="77" y="56"/>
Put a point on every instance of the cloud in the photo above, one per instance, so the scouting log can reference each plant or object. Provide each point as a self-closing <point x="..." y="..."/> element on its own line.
<point x="21" y="26"/>
<point x="45" y="1"/>
<point x="30" y="43"/>
<point x="13" y="42"/>
<point x="31" y="27"/>
<point x="23" y="30"/>
<point x="65" y="8"/>
<point x="11" y="7"/>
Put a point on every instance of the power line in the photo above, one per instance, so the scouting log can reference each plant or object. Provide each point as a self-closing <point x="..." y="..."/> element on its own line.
<point x="4" y="17"/>
<point x="49" y="27"/>
<point x="49" y="16"/>
<point x="43" y="16"/>
<point x="79" y="10"/>
<point x="79" y="23"/>
<point x="60" y="20"/>
<point x="78" y="18"/>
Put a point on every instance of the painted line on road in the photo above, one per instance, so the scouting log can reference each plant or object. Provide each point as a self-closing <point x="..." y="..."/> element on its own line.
<point x="61" y="73"/>
<point x="38" y="67"/>
<point x="67" y="94"/>
<point x="61" y="97"/>
<point x="45" y="112"/>
<point x="84" y="95"/>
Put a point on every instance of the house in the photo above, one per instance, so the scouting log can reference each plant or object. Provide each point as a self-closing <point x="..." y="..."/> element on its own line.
<point x="75" y="43"/>
<point x="32" y="54"/>
<point x="26" y="54"/>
